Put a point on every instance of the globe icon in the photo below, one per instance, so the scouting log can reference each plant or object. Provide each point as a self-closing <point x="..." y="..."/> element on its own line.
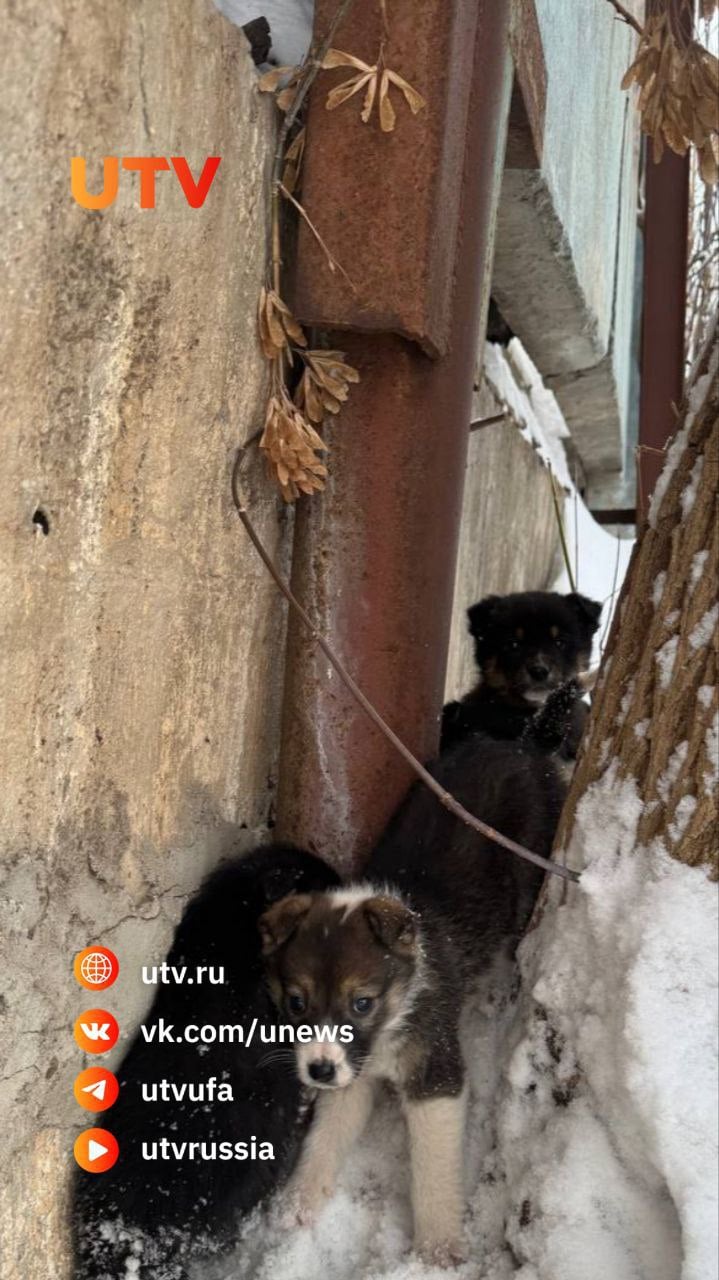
<point x="96" y="968"/>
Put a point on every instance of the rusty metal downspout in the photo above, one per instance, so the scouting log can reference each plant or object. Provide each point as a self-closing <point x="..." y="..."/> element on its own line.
<point x="374" y="556"/>
<point x="666" y="254"/>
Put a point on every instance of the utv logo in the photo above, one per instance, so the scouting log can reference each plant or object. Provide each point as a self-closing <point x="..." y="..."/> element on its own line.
<point x="147" y="166"/>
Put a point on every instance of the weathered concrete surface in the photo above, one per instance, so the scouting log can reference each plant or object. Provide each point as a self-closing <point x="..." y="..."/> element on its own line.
<point x="566" y="236"/>
<point x="141" y="643"/>
<point x="508" y="538"/>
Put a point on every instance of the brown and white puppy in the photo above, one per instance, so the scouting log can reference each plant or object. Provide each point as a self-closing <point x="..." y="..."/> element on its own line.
<point x="355" y="959"/>
<point x="393" y="959"/>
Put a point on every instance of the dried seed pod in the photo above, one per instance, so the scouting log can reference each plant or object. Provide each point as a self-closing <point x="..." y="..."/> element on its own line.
<point x="678" y="91"/>
<point x="324" y="384"/>
<point x="377" y="80"/>
<point x="278" y="327"/>
<point x="291" y="445"/>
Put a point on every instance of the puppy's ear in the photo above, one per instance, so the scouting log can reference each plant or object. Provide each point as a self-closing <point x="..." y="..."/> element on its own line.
<point x="481" y="615"/>
<point x="392" y="924"/>
<point x="281" y="920"/>
<point x="588" y="611"/>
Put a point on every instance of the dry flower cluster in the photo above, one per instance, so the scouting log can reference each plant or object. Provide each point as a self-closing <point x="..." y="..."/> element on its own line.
<point x="679" y="92"/>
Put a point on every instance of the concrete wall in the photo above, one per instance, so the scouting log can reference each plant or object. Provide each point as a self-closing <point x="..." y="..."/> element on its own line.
<point x="142" y="643"/>
<point x="566" y="239"/>
<point x="508" y="538"/>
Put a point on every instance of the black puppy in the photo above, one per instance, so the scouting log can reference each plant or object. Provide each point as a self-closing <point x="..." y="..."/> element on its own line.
<point x="161" y="1211"/>
<point x="530" y="648"/>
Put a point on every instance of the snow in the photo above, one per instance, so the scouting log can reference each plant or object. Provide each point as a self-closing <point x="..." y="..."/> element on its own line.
<point x="705" y="630"/>
<point x="622" y="1177"/>
<point x="699" y="560"/>
<point x="518" y="386"/>
<point x="689" y="494"/>
<point x="658" y="587"/>
<point x="665" y="658"/>
<point x="698" y="392"/>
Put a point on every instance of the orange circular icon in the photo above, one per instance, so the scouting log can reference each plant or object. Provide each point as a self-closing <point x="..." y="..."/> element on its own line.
<point x="96" y="1031"/>
<point x="96" y="968"/>
<point x="96" y="1089"/>
<point x="96" y="1150"/>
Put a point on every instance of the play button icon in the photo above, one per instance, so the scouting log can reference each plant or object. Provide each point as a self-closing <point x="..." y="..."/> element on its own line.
<point x="96" y="1150"/>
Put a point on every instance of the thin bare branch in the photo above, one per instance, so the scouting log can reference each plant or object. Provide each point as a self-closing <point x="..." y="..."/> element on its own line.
<point x="445" y="798"/>
<point x="332" y="262"/>
<point x="560" y="526"/>
<point x="627" y="17"/>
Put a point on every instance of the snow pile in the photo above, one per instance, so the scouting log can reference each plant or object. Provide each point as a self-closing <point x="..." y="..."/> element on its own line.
<point x="366" y="1229"/>
<point x="518" y="385"/>
<point x="592" y="1135"/>
<point x="608" y="1129"/>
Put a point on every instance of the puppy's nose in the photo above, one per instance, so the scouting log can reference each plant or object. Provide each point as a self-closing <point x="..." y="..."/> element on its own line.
<point x="322" y="1071"/>
<point x="537" y="670"/>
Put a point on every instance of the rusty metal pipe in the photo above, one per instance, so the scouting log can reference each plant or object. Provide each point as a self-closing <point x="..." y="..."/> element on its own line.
<point x="374" y="556"/>
<point x="666" y="255"/>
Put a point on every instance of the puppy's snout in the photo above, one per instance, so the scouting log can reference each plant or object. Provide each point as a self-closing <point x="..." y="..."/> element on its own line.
<point x="537" y="670"/>
<point x="322" y="1071"/>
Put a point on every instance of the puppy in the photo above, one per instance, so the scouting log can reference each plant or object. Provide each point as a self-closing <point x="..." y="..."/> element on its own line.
<point x="394" y="958"/>
<point x="530" y="649"/>
<point x="161" y="1211"/>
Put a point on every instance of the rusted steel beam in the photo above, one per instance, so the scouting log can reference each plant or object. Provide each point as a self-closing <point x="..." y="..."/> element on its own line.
<point x="666" y="252"/>
<point x="392" y="220"/>
<point x="374" y="556"/>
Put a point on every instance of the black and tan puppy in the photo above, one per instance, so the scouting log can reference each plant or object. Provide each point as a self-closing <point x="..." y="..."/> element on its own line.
<point x="394" y="957"/>
<point x="146" y="1217"/>
<point x="530" y="648"/>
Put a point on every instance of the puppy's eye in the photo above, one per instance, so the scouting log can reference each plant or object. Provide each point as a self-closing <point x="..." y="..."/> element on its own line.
<point x="296" y="1003"/>
<point x="362" y="1004"/>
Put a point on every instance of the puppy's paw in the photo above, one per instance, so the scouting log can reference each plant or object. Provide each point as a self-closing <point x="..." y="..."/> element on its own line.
<point x="442" y="1253"/>
<point x="302" y="1203"/>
